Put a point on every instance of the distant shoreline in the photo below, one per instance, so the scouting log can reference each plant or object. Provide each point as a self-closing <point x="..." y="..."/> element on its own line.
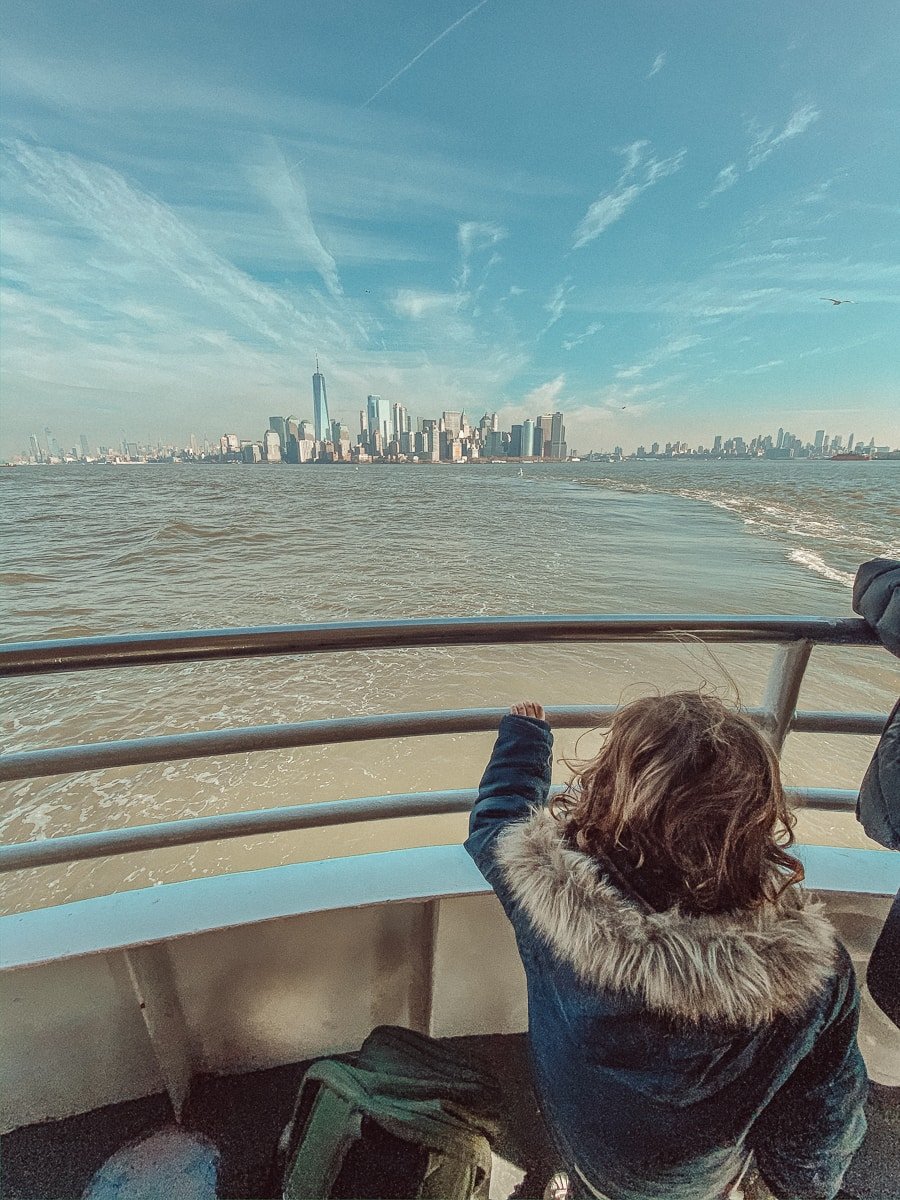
<point x="894" y="456"/>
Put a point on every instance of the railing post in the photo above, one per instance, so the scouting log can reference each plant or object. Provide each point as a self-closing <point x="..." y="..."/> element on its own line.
<point x="783" y="688"/>
<point x="421" y="994"/>
<point x="153" y="980"/>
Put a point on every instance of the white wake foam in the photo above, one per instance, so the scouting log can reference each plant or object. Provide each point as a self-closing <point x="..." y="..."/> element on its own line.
<point x="814" y="562"/>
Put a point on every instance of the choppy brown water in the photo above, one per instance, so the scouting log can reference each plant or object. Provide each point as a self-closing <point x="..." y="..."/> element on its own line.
<point x="103" y="550"/>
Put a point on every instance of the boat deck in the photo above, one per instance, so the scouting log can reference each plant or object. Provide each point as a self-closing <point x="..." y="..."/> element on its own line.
<point x="112" y="996"/>
<point x="244" y="1115"/>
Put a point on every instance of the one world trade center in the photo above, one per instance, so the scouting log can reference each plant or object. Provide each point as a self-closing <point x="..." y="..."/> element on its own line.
<point x="320" y="406"/>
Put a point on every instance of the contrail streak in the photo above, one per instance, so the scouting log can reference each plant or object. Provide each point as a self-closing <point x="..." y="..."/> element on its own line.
<point x="412" y="62"/>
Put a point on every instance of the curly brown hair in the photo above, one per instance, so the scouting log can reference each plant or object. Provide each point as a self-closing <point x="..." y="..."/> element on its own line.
<point x="688" y="792"/>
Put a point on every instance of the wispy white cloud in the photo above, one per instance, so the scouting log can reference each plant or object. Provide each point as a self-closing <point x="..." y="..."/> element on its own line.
<point x="243" y="231"/>
<point x="760" y="367"/>
<point x="818" y="193"/>
<point x="556" y="303"/>
<point x="144" y="85"/>
<point x="285" y="191"/>
<point x="400" y="179"/>
<point x="767" y="141"/>
<point x="546" y="396"/>
<point x="602" y="415"/>
<point x="144" y="231"/>
<point x="605" y="212"/>
<point x="765" y="258"/>
<point x="658" y="63"/>
<point x="592" y="329"/>
<point x="638" y="174"/>
<point x="795" y="240"/>
<point x="474" y="237"/>
<point x="707" y="298"/>
<point x="415" y="304"/>
<point x="357" y="166"/>
<point x="671" y="347"/>
<point x="434" y="41"/>
<point x="817" y="271"/>
<point x="798" y="122"/>
<point x="841" y="347"/>
<point x="725" y="179"/>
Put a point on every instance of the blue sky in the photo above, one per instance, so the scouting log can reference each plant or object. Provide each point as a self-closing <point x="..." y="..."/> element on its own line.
<point x="627" y="211"/>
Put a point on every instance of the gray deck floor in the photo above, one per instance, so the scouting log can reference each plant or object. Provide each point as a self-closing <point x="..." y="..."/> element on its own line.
<point x="244" y="1115"/>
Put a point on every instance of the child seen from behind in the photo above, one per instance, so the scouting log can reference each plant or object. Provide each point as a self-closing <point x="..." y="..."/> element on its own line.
<point x="688" y="1005"/>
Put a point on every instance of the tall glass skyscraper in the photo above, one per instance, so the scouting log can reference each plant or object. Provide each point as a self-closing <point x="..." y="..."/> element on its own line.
<point x="558" y="447"/>
<point x="552" y="434"/>
<point x="320" y="406"/>
<point x="379" y="418"/>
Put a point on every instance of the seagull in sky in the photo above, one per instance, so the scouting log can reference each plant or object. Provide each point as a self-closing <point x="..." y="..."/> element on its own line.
<point x="833" y="301"/>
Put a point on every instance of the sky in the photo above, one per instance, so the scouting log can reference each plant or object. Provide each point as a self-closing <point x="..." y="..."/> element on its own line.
<point x="627" y="211"/>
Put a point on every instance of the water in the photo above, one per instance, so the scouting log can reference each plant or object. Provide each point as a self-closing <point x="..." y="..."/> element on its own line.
<point x="830" y="515"/>
<point x="122" y="549"/>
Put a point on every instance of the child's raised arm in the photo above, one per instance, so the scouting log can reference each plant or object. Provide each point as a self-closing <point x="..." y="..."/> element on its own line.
<point x="516" y="779"/>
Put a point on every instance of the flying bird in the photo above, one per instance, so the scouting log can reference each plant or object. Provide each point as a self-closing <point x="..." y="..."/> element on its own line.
<point x="833" y="301"/>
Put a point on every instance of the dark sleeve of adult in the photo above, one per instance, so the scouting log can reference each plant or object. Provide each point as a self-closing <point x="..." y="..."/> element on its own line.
<point x="876" y="597"/>
<point x="516" y="780"/>
<point x="810" y="1130"/>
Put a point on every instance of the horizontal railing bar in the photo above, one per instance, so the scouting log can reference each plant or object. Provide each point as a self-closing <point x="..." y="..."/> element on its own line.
<point x="824" y="799"/>
<point x="194" y="830"/>
<point x="80" y="654"/>
<point x="836" y="722"/>
<point x="61" y="760"/>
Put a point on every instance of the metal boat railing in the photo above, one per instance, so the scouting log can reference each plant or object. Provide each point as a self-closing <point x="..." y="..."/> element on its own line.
<point x="793" y="637"/>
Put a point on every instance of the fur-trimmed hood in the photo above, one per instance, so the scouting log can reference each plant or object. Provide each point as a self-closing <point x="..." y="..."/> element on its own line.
<point x="737" y="969"/>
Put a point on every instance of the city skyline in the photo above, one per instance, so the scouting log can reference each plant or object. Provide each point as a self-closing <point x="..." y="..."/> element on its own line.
<point x="386" y="433"/>
<point x="191" y="212"/>
<point x="389" y="432"/>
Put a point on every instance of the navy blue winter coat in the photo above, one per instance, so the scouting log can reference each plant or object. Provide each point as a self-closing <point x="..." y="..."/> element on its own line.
<point x="876" y="596"/>
<point x="666" y="1046"/>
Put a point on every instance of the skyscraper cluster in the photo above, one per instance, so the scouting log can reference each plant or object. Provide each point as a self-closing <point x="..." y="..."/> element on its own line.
<point x="387" y="431"/>
<point x="781" y="445"/>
